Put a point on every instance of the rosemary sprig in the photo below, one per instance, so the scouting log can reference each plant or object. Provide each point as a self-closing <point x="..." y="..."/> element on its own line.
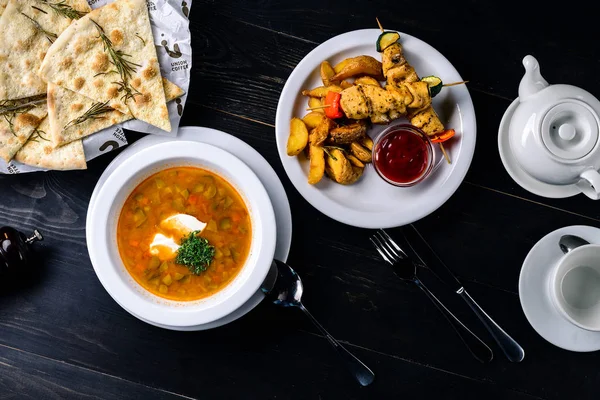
<point x="94" y="112"/>
<point x="139" y="37"/>
<point x="9" y="106"/>
<point x="49" y="35"/>
<point x="123" y="67"/>
<point x="106" y="73"/>
<point x="128" y="91"/>
<point x="22" y="100"/>
<point x="63" y="9"/>
<point x="39" y="9"/>
<point x="38" y="134"/>
<point x="327" y="151"/>
<point x="9" y="117"/>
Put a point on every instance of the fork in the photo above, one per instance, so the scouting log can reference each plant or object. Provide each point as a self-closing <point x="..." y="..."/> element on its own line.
<point x="406" y="270"/>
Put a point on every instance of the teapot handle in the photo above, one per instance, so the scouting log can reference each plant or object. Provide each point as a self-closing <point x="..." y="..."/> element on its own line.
<point x="590" y="184"/>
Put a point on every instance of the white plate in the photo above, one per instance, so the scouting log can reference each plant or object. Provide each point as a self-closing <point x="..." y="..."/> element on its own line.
<point x="262" y="169"/>
<point x="534" y="282"/>
<point x="371" y="202"/>
<point x="513" y="168"/>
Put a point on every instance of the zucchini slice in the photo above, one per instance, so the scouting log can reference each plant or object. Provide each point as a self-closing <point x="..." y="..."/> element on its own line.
<point x="435" y="84"/>
<point x="386" y="39"/>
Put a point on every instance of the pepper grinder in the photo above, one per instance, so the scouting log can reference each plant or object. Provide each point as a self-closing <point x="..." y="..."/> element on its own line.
<point x="15" y="250"/>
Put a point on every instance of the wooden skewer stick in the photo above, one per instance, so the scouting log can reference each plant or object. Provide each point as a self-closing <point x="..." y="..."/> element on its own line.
<point x="318" y="107"/>
<point x="379" y="23"/>
<point x="449" y="84"/>
<point x="445" y="154"/>
<point x="454" y="83"/>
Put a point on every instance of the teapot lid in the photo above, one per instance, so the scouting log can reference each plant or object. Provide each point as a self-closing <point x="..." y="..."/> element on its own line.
<point x="570" y="129"/>
<point x="568" y="121"/>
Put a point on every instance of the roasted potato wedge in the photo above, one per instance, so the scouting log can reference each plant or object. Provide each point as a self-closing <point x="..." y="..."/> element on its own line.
<point x="355" y="161"/>
<point x="338" y="167"/>
<point x="347" y="134"/>
<point x="317" y="164"/>
<point x="326" y="73"/>
<point x="319" y="134"/>
<point x="322" y="91"/>
<point x="360" y="152"/>
<point x="366" y="142"/>
<point x="361" y="65"/>
<point x="357" y="173"/>
<point x="341" y="65"/>
<point x="316" y="104"/>
<point x="313" y="119"/>
<point x="298" y="138"/>
<point x="367" y="80"/>
<point x="346" y="84"/>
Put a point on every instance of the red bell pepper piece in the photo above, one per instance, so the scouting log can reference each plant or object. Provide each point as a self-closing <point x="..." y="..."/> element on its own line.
<point x="332" y="101"/>
<point x="442" y="137"/>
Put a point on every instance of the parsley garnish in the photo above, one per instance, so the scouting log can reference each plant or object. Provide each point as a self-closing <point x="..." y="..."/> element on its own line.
<point x="195" y="253"/>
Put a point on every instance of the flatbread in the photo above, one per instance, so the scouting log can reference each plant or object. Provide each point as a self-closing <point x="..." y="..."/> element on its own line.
<point x="65" y="106"/>
<point x="81" y="61"/>
<point x="23" y="44"/>
<point x="17" y="127"/>
<point x="3" y="4"/>
<point x="38" y="152"/>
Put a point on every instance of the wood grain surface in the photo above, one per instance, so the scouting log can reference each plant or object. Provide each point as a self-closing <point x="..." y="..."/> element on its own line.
<point x="62" y="335"/>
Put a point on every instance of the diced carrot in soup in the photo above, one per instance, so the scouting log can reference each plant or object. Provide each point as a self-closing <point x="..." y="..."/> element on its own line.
<point x="207" y="197"/>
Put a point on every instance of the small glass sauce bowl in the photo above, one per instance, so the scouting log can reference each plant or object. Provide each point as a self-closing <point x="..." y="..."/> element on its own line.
<point x="403" y="155"/>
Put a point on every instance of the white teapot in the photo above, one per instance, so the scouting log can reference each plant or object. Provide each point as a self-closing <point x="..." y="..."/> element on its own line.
<point x="554" y="132"/>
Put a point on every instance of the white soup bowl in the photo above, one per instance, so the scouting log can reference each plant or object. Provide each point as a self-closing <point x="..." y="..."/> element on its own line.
<point x="101" y="233"/>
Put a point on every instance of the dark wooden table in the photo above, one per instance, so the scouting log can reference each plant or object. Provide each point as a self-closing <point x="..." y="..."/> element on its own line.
<point x="62" y="335"/>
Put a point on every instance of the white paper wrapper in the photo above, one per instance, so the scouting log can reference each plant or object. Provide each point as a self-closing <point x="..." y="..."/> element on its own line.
<point x="172" y="38"/>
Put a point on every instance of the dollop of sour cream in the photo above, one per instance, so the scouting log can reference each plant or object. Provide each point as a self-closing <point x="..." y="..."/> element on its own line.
<point x="177" y="226"/>
<point x="182" y="223"/>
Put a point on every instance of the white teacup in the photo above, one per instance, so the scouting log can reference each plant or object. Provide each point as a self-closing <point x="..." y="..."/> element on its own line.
<point x="575" y="287"/>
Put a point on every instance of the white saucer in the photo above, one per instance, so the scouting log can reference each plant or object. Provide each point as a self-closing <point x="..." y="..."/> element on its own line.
<point x="513" y="168"/>
<point x="261" y="168"/>
<point x="535" y="297"/>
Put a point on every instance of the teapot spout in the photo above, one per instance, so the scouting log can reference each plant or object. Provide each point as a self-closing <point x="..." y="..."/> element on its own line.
<point x="532" y="82"/>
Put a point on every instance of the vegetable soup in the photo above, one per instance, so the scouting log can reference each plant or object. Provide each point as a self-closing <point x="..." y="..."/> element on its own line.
<point x="184" y="233"/>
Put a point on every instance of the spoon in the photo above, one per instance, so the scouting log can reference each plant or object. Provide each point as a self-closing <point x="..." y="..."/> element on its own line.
<point x="270" y="279"/>
<point x="287" y="292"/>
<point x="568" y="243"/>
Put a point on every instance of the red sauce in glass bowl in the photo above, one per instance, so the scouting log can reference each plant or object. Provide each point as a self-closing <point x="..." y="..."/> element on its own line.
<point x="403" y="155"/>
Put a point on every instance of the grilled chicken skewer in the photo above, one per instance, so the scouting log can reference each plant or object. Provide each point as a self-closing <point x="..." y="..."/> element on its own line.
<point x="398" y="73"/>
<point x="365" y="101"/>
<point x="369" y="100"/>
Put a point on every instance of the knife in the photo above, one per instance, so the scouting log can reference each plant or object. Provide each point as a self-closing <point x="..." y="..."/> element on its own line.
<point x="511" y="349"/>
